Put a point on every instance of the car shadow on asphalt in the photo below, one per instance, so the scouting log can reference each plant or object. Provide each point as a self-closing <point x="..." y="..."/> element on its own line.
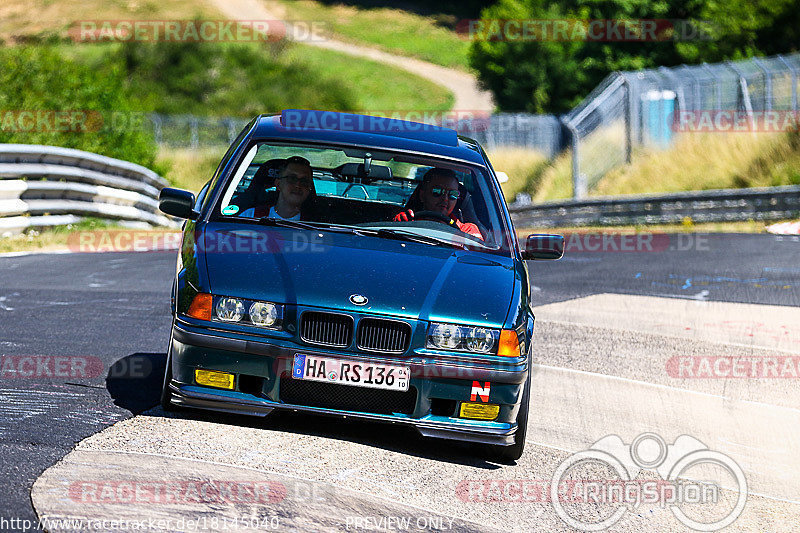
<point x="134" y="383"/>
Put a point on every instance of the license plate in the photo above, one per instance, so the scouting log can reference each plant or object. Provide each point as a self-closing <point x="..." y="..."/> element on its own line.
<point x="347" y="372"/>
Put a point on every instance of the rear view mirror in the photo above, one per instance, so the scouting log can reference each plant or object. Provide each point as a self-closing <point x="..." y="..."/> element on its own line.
<point x="178" y="203"/>
<point x="543" y="247"/>
<point x="373" y="173"/>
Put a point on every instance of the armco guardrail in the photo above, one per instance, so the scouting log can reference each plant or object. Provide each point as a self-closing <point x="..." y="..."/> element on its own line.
<point x="44" y="186"/>
<point x="721" y="205"/>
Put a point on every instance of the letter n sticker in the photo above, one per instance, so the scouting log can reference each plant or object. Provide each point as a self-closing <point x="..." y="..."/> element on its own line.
<point x="477" y="390"/>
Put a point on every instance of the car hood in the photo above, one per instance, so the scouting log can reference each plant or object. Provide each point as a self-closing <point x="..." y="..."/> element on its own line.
<point x="323" y="269"/>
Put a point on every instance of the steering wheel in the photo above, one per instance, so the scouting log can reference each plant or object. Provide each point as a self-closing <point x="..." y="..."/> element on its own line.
<point x="431" y="215"/>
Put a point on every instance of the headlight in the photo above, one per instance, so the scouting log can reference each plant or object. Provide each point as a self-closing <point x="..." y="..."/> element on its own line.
<point x="264" y="314"/>
<point x="480" y="340"/>
<point x="462" y="338"/>
<point x="248" y="312"/>
<point x="229" y="309"/>
<point x="444" y="336"/>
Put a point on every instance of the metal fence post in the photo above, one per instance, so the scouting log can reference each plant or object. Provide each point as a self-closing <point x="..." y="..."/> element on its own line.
<point x="767" y="85"/>
<point x="157" y="130"/>
<point x="696" y="97"/>
<point x="717" y="88"/>
<point x="195" y="133"/>
<point x="745" y="92"/>
<point x="578" y="181"/>
<point x="793" y="73"/>
<point x="628" y="129"/>
<point x="231" y="130"/>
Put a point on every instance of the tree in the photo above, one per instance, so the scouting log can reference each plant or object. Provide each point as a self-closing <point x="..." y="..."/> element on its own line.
<point x="544" y="75"/>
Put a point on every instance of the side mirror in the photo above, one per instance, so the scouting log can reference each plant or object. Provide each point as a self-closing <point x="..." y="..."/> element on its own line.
<point x="178" y="203"/>
<point x="543" y="247"/>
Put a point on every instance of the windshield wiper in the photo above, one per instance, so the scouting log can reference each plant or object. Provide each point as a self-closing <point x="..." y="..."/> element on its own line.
<point x="342" y="229"/>
<point x="269" y="221"/>
<point x="414" y="237"/>
<point x="321" y="226"/>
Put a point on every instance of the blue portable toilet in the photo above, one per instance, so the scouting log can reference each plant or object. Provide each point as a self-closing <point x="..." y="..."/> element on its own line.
<point x="658" y="108"/>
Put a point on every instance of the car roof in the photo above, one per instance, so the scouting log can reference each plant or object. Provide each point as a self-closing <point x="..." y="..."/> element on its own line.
<point x="366" y="131"/>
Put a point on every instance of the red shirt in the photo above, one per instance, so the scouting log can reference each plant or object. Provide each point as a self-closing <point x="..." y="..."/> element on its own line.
<point x="469" y="227"/>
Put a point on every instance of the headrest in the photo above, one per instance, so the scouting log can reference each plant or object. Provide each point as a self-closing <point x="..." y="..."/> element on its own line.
<point x="266" y="173"/>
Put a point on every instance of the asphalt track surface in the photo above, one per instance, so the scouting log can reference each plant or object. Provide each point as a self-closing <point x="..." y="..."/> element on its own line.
<point x="113" y="311"/>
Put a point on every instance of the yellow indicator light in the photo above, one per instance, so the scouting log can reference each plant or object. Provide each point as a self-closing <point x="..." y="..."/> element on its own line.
<point x="509" y="344"/>
<point x="479" y="411"/>
<point x="201" y="306"/>
<point x="212" y="378"/>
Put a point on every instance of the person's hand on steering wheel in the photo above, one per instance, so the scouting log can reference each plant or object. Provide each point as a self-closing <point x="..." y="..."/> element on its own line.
<point x="409" y="215"/>
<point x="404" y="216"/>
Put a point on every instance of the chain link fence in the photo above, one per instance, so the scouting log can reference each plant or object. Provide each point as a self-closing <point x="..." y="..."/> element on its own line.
<point x="542" y="133"/>
<point x="190" y="131"/>
<point x="649" y="108"/>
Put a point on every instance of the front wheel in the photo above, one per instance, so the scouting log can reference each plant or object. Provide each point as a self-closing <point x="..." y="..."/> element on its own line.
<point x="166" y="393"/>
<point x="514" y="452"/>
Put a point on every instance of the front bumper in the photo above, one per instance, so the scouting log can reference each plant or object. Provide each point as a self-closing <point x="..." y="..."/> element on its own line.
<point x="438" y="383"/>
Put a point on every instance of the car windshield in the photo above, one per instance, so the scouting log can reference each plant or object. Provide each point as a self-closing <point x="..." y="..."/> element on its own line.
<point x="383" y="194"/>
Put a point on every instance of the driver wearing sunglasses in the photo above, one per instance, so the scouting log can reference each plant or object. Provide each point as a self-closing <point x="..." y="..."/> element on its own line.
<point x="439" y="193"/>
<point x="294" y="185"/>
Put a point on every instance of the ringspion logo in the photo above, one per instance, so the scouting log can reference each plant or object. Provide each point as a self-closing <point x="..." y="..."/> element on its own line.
<point x="678" y="464"/>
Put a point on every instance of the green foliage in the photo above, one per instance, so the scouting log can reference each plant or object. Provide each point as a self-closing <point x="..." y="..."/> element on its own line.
<point x="223" y="79"/>
<point x="553" y="76"/>
<point x="37" y="84"/>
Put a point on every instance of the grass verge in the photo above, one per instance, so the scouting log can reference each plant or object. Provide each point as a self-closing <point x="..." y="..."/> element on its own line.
<point x="393" y="30"/>
<point x="373" y="86"/>
<point x="524" y="168"/>
<point x="58" y="237"/>
<point x="26" y="20"/>
<point x="190" y="169"/>
<point x="694" y="162"/>
<point x="711" y="161"/>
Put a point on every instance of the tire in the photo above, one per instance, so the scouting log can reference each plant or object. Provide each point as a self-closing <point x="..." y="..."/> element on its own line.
<point x="514" y="452"/>
<point x="166" y="393"/>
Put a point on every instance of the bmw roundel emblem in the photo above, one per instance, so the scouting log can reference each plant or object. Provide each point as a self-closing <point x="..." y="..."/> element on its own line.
<point x="358" y="299"/>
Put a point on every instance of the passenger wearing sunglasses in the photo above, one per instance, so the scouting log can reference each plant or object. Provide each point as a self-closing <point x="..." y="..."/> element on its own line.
<point x="439" y="193"/>
<point x="294" y="184"/>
